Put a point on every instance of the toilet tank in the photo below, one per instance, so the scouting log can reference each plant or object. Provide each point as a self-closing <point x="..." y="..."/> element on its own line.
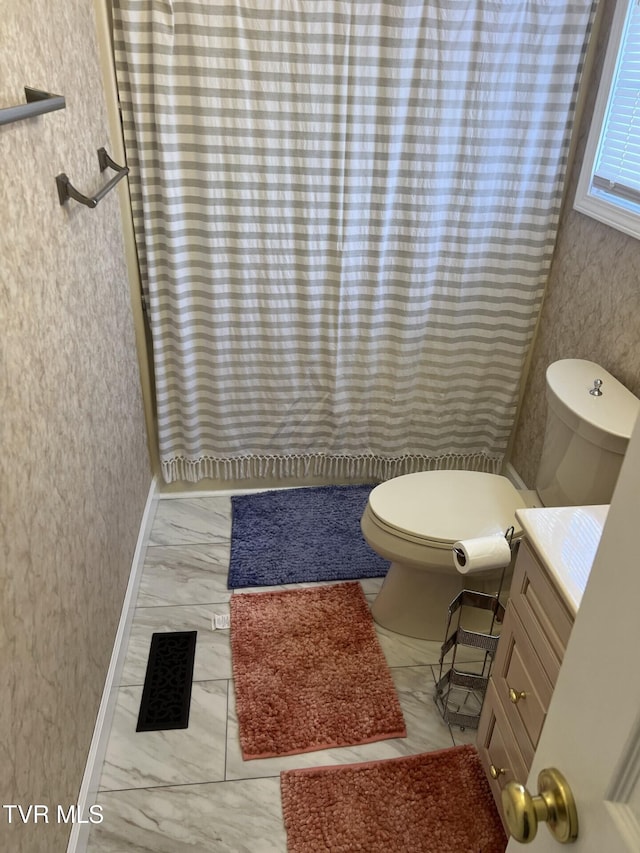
<point x="586" y="435"/>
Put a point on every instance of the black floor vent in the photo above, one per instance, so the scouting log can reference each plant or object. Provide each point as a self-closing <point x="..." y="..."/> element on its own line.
<point x="166" y="696"/>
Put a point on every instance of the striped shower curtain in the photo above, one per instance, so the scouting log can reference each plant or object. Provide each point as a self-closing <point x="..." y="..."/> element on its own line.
<point x="345" y="214"/>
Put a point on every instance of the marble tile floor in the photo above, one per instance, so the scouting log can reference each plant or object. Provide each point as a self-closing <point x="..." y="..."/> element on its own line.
<point x="189" y="791"/>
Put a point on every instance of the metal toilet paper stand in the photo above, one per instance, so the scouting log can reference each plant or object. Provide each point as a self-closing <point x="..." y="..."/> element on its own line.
<point x="460" y="690"/>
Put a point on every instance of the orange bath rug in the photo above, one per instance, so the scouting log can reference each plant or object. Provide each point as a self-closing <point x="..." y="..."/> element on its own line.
<point x="437" y="802"/>
<point x="309" y="672"/>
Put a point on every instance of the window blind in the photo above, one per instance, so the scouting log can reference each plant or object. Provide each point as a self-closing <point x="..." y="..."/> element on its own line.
<point x="617" y="169"/>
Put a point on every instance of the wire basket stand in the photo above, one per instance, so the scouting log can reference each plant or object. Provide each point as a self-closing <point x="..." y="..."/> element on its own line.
<point x="459" y="691"/>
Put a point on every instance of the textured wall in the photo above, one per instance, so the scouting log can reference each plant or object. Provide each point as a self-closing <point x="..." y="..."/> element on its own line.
<point x="74" y="470"/>
<point x="592" y="305"/>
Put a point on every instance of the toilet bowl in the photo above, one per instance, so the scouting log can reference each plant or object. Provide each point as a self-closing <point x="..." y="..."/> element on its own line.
<point x="414" y="520"/>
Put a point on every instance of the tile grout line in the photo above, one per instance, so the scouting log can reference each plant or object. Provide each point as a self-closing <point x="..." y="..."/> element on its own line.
<point x="187" y="784"/>
<point x="226" y="735"/>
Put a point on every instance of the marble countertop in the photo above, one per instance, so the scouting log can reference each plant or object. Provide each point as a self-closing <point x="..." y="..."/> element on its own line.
<point x="566" y="539"/>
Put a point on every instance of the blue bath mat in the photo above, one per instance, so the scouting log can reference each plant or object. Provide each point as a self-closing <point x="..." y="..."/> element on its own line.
<point x="301" y="535"/>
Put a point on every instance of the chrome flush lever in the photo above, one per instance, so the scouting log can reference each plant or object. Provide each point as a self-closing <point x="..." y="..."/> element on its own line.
<point x="596" y="388"/>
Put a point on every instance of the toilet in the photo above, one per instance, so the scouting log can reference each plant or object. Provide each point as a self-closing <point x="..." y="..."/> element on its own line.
<point x="414" y="520"/>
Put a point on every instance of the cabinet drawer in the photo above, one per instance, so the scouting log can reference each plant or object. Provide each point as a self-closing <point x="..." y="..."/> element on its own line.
<point x="498" y="747"/>
<point x="518" y="668"/>
<point x="544" y="616"/>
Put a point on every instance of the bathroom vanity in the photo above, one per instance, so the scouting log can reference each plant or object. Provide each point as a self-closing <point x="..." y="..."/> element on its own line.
<point x="550" y="574"/>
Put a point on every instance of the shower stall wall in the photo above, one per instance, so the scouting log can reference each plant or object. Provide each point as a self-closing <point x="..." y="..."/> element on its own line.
<point x="345" y="214"/>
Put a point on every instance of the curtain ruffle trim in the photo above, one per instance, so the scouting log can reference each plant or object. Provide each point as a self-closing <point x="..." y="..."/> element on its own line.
<point x="321" y="465"/>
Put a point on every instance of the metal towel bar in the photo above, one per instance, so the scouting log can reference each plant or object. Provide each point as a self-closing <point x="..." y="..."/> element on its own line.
<point x="66" y="190"/>
<point x="38" y="102"/>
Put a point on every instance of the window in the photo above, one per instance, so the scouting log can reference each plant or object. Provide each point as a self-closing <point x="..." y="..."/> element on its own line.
<point x="609" y="185"/>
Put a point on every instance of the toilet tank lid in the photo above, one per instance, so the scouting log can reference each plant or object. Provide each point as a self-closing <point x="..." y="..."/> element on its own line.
<point x="445" y="506"/>
<point x="615" y="412"/>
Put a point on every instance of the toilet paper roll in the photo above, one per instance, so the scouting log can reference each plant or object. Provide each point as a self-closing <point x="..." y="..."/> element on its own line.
<point x="481" y="554"/>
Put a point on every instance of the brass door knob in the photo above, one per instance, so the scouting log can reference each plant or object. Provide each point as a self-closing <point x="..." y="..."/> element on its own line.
<point x="496" y="772"/>
<point x="554" y="805"/>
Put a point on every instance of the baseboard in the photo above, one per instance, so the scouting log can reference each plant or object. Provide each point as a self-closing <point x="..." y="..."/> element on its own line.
<point x="79" y="836"/>
<point x="219" y="488"/>
<point x="219" y="493"/>
<point x="198" y="492"/>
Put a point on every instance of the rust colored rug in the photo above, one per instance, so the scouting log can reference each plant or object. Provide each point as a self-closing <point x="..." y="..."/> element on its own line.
<point x="438" y="802"/>
<point x="309" y="672"/>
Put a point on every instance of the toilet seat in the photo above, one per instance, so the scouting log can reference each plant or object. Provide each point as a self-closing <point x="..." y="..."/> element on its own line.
<point x="438" y="508"/>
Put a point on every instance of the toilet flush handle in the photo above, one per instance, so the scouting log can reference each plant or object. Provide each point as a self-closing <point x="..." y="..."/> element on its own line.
<point x="596" y="388"/>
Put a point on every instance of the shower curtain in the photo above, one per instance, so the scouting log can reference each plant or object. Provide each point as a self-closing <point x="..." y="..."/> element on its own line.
<point x="345" y="214"/>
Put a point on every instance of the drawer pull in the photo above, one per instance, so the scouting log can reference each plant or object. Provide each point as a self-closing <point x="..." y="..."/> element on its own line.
<point x="516" y="695"/>
<point x="496" y="772"/>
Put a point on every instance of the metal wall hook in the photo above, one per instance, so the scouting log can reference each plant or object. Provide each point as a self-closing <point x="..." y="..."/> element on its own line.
<point x="66" y="190"/>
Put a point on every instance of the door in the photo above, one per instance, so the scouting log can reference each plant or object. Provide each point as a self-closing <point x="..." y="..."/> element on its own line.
<point x="592" y="732"/>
